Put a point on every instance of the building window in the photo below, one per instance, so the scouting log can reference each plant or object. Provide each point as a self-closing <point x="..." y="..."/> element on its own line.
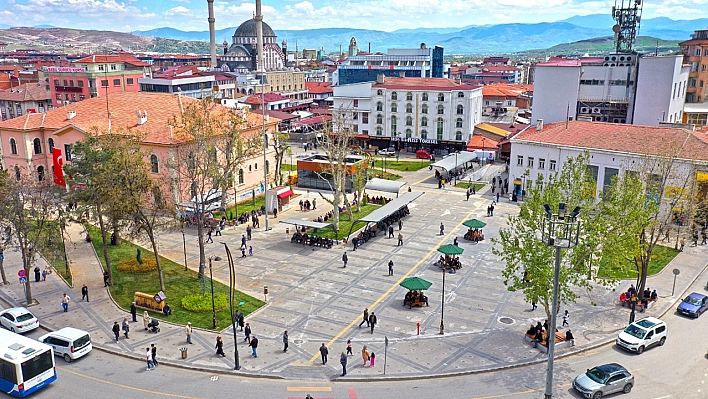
<point x="460" y="94"/>
<point x="113" y="67"/>
<point x="460" y="110"/>
<point x="552" y="165"/>
<point x="365" y="117"/>
<point x="424" y="121"/>
<point x="409" y="108"/>
<point x="67" y="152"/>
<point x="441" y="109"/>
<point x="80" y="83"/>
<point x="409" y="96"/>
<point x="40" y="173"/>
<point x="458" y="135"/>
<point x="379" y="106"/>
<point x="409" y="121"/>
<point x="379" y="119"/>
<point x="541" y="163"/>
<point x="356" y="103"/>
<point x="530" y="162"/>
<point x="241" y="178"/>
<point x="425" y="96"/>
<point x="37" y="146"/>
<point x="458" y="123"/>
<point x="379" y="131"/>
<point x="66" y="83"/>
<point x="394" y="96"/>
<point x="255" y="166"/>
<point x="409" y="133"/>
<point x="116" y="82"/>
<point x="104" y="83"/>
<point x="441" y="97"/>
<point x="394" y="107"/>
<point x="56" y="82"/>
<point x="154" y="164"/>
<point x="441" y="126"/>
<point x="51" y="144"/>
<point x="129" y="81"/>
<point x="17" y="173"/>
<point x="379" y="92"/>
<point x="424" y="134"/>
<point x="101" y="68"/>
<point x="519" y="160"/>
<point x="424" y="109"/>
<point x="13" y="146"/>
<point x="394" y="124"/>
<point x="59" y="96"/>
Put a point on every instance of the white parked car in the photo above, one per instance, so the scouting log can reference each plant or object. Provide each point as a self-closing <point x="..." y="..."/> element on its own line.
<point x="69" y="343"/>
<point x="388" y="151"/>
<point x="642" y="334"/>
<point x="19" y="320"/>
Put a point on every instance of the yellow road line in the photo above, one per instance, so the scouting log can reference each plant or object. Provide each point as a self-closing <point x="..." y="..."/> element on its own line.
<point x="503" y="395"/>
<point x="393" y="287"/>
<point x="313" y="389"/>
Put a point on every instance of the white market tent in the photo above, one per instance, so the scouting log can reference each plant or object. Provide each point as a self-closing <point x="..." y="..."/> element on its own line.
<point x="384" y="185"/>
<point x="452" y="161"/>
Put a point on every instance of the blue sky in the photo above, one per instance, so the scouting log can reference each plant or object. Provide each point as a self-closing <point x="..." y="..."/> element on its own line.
<point x="128" y="15"/>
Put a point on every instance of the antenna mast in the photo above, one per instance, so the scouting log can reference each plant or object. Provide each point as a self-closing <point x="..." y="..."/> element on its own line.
<point x="628" y="17"/>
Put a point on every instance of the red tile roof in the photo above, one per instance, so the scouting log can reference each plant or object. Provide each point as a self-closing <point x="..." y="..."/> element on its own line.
<point x="319" y="87"/>
<point x="161" y="109"/>
<point x="505" y="90"/>
<point x="27" y="92"/>
<point x="437" y="84"/>
<point x="313" y="121"/>
<point x="255" y="99"/>
<point x="126" y="58"/>
<point x="632" y="139"/>
<point x="476" y="143"/>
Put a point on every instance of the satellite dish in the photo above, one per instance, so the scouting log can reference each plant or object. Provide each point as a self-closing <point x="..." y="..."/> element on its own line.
<point x="616" y="29"/>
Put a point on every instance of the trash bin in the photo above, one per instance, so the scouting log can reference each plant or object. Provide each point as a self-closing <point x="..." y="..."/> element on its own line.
<point x="184" y="352"/>
<point x="287" y="230"/>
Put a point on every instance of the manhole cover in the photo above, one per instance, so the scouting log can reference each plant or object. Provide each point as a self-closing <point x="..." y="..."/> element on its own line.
<point x="506" y="320"/>
<point x="298" y="341"/>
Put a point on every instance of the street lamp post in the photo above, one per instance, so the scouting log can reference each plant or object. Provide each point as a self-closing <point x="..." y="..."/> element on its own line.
<point x="456" y="168"/>
<point x="211" y="279"/>
<point x="184" y="247"/>
<point x="560" y="231"/>
<point x="232" y="287"/>
<point x="442" y="308"/>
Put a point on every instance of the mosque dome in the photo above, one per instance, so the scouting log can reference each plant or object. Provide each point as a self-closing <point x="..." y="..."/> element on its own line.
<point x="248" y="29"/>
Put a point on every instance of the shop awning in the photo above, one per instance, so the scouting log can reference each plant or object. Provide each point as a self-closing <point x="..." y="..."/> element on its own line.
<point x="388" y="186"/>
<point x="285" y="194"/>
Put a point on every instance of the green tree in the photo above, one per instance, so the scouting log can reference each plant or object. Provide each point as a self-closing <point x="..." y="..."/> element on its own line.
<point x="279" y="143"/>
<point x="529" y="262"/>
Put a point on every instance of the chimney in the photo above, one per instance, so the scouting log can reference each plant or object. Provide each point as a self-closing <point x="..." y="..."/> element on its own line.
<point x="539" y="125"/>
<point x="401" y="74"/>
<point x="142" y="117"/>
<point x="70" y="115"/>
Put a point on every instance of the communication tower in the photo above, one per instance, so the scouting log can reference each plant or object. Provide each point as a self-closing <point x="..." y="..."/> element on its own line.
<point x="628" y="16"/>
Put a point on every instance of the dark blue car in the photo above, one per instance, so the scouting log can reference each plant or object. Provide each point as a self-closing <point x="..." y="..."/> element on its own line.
<point x="693" y="305"/>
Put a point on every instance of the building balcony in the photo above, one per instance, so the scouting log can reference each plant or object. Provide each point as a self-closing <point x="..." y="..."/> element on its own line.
<point x="68" y="89"/>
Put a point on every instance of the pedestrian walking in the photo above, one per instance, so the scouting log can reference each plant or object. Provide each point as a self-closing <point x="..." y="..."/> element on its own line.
<point x="468" y="195"/>
<point x="250" y="250"/>
<point x="314" y="203"/>
<point x="285" y="341"/>
<point x="241" y="323"/>
<point x="106" y="278"/>
<point x="126" y="328"/>
<point x="497" y="198"/>
<point x="247" y="332"/>
<point x="146" y="320"/>
<point x="366" y="318"/>
<point x="566" y="317"/>
<point x="243" y="250"/>
<point x="209" y="233"/>
<point x="345" y="259"/>
<point x="65" y="302"/>
<point x="243" y="240"/>
<point x="400" y="224"/>
<point x="188" y="332"/>
<point x="390" y="267"/>
<point x="372" y="321"/>
<point x="324" y="352"/>
<point x="491" y="210"/>
<point x="153" y="352"/>
<point x="134" y="312"/>
<point x="365" y="355"/>
<point x="372" y="359"/>
<point x="442" y="229"/>
<point x="390" y="231"/>
<point x="349" y="347"/>
<point x="400" y="239"/>
<point x="343" y="362"/>
<point x="474" y="190"/>
<point x="254" y="345"/>
<point x="533" y="305"/>
<point x="84" y="293"/>
<point x="148" y="357"/>
<point x="116" y="330"/>
<point x="217" y="230"/>
<point x="37" y="274"/>
<point x="455" y="242"/>
<point x="220" y="346"/>
<point x="570" y="338"/>
<point x="249" y="232"/>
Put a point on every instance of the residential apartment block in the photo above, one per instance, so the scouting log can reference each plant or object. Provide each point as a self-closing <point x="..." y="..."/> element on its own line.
<point x="695" y="54"/>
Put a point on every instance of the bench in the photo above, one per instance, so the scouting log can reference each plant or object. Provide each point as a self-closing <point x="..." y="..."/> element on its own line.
<point x="149" y="302"/>
<point x="560" y="342"/>
<point x="417" y="303"/>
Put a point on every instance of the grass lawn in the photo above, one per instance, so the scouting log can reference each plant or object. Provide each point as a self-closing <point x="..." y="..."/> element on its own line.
<point x="384" y="175"/>
<point x="288" y="168"/>
<point x="464" y="184"/>
<point x="246" y="206"/>
<point x="345" y="224"/>
<point x="659" y="259"/>
<point x="403" y="166"/>
<point x="178" y="283"/>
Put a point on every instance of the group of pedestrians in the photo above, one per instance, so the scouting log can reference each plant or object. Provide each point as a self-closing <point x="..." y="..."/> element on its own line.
<point x="370" y="319"/>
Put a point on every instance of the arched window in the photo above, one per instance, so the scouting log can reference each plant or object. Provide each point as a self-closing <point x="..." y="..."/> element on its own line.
<point x="379" y="119"/>
<point x="241" y="178"/>
<point x="394" y="125"/>
<point x="51" y="144"/>
<point x="460" y="110"/>
<point x="17" y="173"/>
<point x="460" y="95"/>
<point x="379" y="106"/>
<point x="458" y="123"/>
<point x="250" y="168"/>
<point x="37" y="146"/>
<point x="441" y="109"/>
<point x="379" y="131"/>
<point x="424" y="121"/>
<point x="441" y="97"/>
<point x="379" y="92"/>
<point x="409" y="108"/>
<point x="409" y="121"/>
<point x="441" y="126"/>
<point x="13" y="146"/>
<point x="409" y="96"/>
<point x="40" y="173"/>
<point x="424" y="109"/>
<point x="394" y="107"/>
<point x="255" y="166"/>
<point x="154" y="164"/>
<point x="409" y="133"/>
<point x="394" y="96"/>
<point x="458" y="135"/>
<point x="424" y="134"/>
<point x="425" y="96"/>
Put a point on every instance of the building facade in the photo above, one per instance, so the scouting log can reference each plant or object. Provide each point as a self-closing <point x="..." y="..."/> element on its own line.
<point x="26" y="99"/>
<point x="695" y="54"/>
<point x="242" y="55"/>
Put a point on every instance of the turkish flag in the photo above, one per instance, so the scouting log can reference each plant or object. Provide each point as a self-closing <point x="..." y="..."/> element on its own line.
<point x="58" y="164"/>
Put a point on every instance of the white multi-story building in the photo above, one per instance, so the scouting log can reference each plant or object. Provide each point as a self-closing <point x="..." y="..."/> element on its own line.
<point x="412" y="113"/>
<point x="616" y="88"/>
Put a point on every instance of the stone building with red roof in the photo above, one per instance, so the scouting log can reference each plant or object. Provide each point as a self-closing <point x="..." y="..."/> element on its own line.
<point x="25" y="99"/>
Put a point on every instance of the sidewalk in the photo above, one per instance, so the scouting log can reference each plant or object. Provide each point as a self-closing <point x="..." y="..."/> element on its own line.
<point x="318" y="301"/>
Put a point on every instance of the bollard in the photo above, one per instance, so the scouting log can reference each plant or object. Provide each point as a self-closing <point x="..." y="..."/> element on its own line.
<point x="418" y="325"/>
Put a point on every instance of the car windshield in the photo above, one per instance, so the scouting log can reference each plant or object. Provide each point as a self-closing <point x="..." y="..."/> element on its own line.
<point x="24" y="317"/>
<point x="693" y="301"/>
<point x="597" y="375"/>
<point x="635" y="331"/>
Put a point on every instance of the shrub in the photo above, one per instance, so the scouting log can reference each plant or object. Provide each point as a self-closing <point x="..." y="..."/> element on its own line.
<point x="133" y="266"/>
<point x="199" y="303"/>
<point x="139" y="257"/>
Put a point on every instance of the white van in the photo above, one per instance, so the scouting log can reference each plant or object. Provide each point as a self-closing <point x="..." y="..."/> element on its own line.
<point x="642" y="334"/>
<point x="70" y="343"/>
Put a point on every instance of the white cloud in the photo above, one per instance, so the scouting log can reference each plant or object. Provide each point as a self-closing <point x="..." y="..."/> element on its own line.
<point x="179" y="10"/>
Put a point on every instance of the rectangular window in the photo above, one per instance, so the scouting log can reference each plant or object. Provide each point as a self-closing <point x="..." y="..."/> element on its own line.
<point x="356" y="103"/>
<point x="56" y="82"/>
<point x="355" y="116"/>
<point x="80" y="83"/>
<point x="530" y="162"/>
<point x="67" y="152"/>
<point x="66" y="83"/>
<point x="541" y="163"/>
<point x="129" y="81"/>
<point x="365" y="117"/>
<point x="104" y="83"/>
<point x="519" y="160"/>
<point x="59" y="96"/>
<point x="101" y="67"/>
<point x="116" y="82"/>
<point x="113" y="67"/>
<point x="610" y="173"/>
<point x="552" y="165"/>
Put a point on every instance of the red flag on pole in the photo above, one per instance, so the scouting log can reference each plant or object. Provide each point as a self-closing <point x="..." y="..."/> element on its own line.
<point x="58" y="164"/>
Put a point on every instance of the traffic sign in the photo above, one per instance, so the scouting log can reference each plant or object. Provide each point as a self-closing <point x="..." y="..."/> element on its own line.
<point x="21" y="273"/>
<point x="23" y="280"/>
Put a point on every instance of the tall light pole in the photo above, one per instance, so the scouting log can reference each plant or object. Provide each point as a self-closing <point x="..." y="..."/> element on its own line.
<point x="232" y="299"/>
<point x="184" y="247"/>
<point x="456" y="168"/>
<point x="442" y="309"/>
<point x="560" y="231"/>
<point x="211" y="279"/>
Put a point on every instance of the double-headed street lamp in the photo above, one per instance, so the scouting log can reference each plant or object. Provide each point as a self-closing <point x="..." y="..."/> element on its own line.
<point x="561" y="231"/>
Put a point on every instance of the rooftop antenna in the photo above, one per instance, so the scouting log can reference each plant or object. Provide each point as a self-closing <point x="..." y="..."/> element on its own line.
<point x="628" y="16"/>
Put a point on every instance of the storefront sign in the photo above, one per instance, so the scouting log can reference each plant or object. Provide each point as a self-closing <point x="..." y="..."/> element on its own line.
<point x="417" y="140"/>
<point x="66" y="69"/>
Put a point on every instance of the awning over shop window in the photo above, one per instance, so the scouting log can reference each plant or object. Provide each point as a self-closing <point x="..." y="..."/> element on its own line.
<point x="285" y="194"/>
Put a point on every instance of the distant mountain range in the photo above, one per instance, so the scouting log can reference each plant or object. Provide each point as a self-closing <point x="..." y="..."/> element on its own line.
<point x="501" y="38"/>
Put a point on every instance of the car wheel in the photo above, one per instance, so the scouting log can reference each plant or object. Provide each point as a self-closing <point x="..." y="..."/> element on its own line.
<point x="597" y="395"/>
<point x="662" y="341"/>
<point x="67" y="358"/>
<point x="627" y="388"/>
<point x="640" y="350"/>
<point x="12" y="329"/>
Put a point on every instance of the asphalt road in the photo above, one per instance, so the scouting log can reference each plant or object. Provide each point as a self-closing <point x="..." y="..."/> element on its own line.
<point x="676" y="370"/>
